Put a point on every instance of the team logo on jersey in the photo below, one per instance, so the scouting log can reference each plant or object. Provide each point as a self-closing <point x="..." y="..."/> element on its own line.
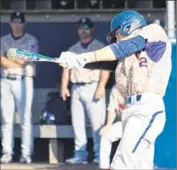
<point x="33" y="46"/>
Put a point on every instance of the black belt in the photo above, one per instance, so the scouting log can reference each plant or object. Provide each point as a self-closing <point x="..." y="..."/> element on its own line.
<point x="14" y="78"/>
<point x="82" y="84"/>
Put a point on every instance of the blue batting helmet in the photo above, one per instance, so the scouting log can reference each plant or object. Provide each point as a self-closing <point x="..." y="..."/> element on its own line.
<point x="127" y="21"/>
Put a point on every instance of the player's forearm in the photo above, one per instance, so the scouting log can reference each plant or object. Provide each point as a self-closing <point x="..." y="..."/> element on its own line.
<point x="113" y="105"/>
<point x="104" y="77"/>
<point x="20" y="62"/>
<point x="5" y="62"/>
<point x="110" y="118"/>
<point x="116" y="51"/>
<point x="65" y="78"/>
<point x="104" y="54"/>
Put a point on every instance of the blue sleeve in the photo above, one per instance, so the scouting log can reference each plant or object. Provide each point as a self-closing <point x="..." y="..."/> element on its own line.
<point x="128" y="47"/>
<point x="155" y="50"/>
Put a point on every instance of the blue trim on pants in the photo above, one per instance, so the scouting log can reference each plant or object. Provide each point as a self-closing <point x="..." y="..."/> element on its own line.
<point x="147" y="128"/>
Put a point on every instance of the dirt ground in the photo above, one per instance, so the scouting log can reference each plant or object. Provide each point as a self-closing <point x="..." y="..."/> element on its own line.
<point x="16" y="166"/>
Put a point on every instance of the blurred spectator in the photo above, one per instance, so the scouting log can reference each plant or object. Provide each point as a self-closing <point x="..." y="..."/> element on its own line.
<point x="17" y="89"/>
<point x="87" y="95"/>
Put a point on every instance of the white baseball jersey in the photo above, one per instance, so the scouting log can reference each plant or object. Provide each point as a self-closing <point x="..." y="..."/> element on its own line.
<point x="138" y="74"/>
<point x="26" y="42"/>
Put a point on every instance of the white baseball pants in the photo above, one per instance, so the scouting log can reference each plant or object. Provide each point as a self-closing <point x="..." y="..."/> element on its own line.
<point x="83" y="106"/>
<point x="114" y="134"/>
<point x="16" y="93"/>
<point x="142" y="123"/>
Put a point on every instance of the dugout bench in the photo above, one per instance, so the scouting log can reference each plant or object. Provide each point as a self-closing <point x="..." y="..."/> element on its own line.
<point x="54" y="134"/>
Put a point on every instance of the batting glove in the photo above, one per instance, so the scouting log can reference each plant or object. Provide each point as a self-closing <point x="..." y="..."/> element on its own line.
<point x="72" y="60"/>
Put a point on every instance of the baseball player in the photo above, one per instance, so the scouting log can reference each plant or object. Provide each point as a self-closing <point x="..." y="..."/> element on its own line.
<point x="144" y="65"/>
<point x="87" y="95"/>
<point x="17" y="89"/>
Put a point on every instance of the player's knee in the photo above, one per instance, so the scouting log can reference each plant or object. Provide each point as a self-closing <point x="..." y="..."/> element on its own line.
<point x="7" y="122"/>
<point x="6" y="126"/>
<point x="26" y="122"/>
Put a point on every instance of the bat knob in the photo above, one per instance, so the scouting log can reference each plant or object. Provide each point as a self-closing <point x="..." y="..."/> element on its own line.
<point x="11" y="53"/>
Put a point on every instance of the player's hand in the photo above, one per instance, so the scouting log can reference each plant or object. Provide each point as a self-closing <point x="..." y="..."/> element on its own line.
<point x="64" y="93"/>
<point x="105" y="129"/>
<point x="72" y="60"/>
<point x="100" y="92"/>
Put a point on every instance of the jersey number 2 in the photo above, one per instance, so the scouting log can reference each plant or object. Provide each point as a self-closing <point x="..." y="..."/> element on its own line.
<point x="142" y="62"/>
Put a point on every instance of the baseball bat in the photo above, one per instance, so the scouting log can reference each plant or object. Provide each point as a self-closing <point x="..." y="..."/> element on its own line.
<point x="14" y="53"/>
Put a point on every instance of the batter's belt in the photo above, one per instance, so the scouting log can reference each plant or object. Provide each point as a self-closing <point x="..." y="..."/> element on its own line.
<point x="130" y="100"/>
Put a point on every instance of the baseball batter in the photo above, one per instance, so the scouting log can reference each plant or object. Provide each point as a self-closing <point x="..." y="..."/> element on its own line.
<point x="142" y="74"/>
<point x="17" y="89"/>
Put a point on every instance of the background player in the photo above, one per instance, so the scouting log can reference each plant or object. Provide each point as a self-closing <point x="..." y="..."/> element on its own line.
<point x="141" y="78"/>
<point x="17" y="89"/>
<point x="87" y="95"/>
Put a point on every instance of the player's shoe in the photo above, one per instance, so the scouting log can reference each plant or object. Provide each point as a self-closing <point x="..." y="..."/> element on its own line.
<point x="25" y="159"/>
<point x="76" y="160"/>
<point x="6" y="158"/>
<point x="96" y="161"/>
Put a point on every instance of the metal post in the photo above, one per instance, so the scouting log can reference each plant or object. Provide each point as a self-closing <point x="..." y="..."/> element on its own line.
<point x="171" y="18"/>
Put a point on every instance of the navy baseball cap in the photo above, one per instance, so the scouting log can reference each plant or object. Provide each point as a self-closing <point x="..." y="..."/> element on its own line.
<point x="85" y="23"/>
<point x="17" y="17"/>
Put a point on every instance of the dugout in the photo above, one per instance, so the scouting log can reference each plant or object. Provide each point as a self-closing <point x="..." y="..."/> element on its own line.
<point x="51" y="22"/>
